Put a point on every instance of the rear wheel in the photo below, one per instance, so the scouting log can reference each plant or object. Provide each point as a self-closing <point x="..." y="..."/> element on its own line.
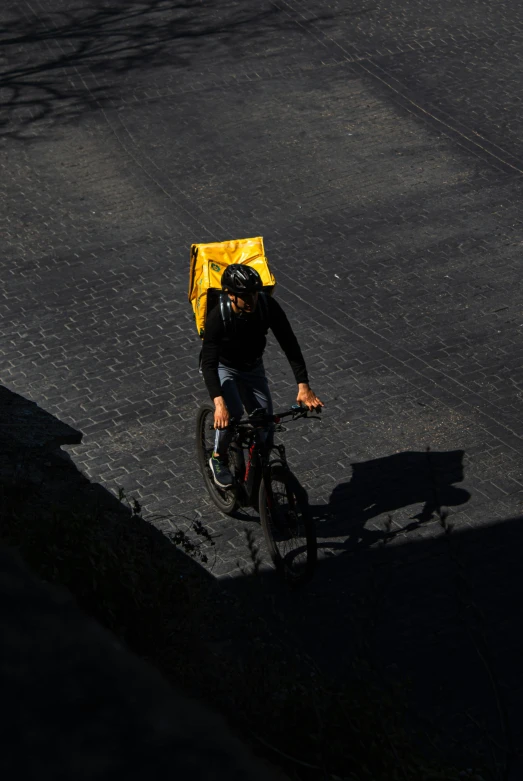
<point x="288" y="525"/>
<point x="225" y="500"/>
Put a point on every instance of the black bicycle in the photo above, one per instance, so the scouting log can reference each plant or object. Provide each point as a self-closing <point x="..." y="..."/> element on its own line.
<point x="264" y="481"/>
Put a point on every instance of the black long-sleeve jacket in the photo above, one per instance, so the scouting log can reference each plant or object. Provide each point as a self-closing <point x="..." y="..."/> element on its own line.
<point x="242" y="346"/>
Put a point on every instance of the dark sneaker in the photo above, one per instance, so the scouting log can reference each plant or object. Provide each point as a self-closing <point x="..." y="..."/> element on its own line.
<point x="220" y="472"/>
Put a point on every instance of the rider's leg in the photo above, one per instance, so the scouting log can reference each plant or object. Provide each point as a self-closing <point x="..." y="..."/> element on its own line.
<point x="231" y="394"/>
<point x="255" y="393"/>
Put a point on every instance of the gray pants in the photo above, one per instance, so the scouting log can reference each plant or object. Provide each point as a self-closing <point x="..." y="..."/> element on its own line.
<point x="241" y="389"/>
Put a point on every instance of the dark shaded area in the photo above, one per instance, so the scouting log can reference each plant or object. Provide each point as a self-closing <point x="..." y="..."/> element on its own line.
<point x="441" y="615"/>
<point x="28" y="433"/>
<point x="80" y="705"/>
<point x="70" y="59"/>
<point x="78" y="699"/>
<point x="23" y="424"/>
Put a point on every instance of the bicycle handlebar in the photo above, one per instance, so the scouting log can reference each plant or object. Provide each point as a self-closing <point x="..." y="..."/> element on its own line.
<point x="259" y="419"/>
<point x="262" y="418"/>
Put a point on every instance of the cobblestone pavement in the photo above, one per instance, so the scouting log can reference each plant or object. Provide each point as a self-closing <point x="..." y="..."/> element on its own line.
<point x="378" y="153"/>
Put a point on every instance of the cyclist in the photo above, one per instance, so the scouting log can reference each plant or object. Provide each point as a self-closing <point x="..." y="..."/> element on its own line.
<point x="232" y="359"/>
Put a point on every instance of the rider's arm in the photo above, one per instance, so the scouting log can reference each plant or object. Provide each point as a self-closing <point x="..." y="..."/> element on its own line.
<point x="286" y="338"/>
<point x="212" y="339"/>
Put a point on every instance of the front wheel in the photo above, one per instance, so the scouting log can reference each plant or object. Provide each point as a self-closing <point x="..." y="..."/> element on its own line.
<point x="225" y="500"/>
<point x="287" y="524"/>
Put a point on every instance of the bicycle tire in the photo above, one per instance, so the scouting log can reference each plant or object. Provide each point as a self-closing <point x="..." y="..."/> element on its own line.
<point x="225" y="500"/>
<point x="288" y="525"/>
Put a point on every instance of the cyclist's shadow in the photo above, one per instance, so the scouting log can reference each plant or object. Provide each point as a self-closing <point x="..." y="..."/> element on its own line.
<point x="383" y="486"/>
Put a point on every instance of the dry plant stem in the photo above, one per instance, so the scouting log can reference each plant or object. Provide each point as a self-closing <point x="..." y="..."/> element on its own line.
<point x="510" y="753"/>
<point x="254" y="555"/>
<point x="504" y="749"/>
<point x="283" y="754"/>
<point x="483" y="656"/>
<point x="444" y="733"/>
<point x="321" y="734"/>
<point x="178" y="537"/>
<point x="253" y="551"/>
<point x="401" y="764"/>
<point x="490" y="740"/>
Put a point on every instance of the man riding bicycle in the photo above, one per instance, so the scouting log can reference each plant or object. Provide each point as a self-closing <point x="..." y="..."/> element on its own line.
<point x="232" y="359"/>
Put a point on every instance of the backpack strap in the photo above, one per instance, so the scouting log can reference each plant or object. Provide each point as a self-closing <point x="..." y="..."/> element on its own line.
<point x="227" y="317"/>
<point x="226" y="312"/>
<point x="264" y="308"/>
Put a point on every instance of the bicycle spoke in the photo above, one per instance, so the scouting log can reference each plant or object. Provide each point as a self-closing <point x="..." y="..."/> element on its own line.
<point x="288" y="528"/>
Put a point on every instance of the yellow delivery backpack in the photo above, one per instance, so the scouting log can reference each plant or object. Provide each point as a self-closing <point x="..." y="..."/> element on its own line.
<point x="209" y="261"/>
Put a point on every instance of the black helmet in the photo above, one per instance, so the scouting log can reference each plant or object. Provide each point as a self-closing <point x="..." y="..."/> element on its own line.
<point x="241" y="279"/>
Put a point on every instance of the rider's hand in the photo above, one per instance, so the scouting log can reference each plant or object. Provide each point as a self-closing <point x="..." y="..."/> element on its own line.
<point x="221" y="413"/>
<point x="307" y="397"/>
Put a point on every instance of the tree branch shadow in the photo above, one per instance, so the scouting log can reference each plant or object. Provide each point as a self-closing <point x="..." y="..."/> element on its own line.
<point x="64" y="63"/>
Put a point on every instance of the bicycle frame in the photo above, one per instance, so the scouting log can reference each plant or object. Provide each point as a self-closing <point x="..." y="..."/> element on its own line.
<point x="259" y="458"/>
<point x="263" y="480"/>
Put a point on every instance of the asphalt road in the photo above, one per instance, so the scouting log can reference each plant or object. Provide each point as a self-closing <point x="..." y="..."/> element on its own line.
<point x="378" y="151"/>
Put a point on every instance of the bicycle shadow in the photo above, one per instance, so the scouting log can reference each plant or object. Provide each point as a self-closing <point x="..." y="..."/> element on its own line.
<point x="383" y="486"/>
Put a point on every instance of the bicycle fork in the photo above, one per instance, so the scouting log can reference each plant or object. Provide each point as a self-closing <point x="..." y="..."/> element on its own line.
<point x="252" y="473"/>
<point x="282" y="463"/>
